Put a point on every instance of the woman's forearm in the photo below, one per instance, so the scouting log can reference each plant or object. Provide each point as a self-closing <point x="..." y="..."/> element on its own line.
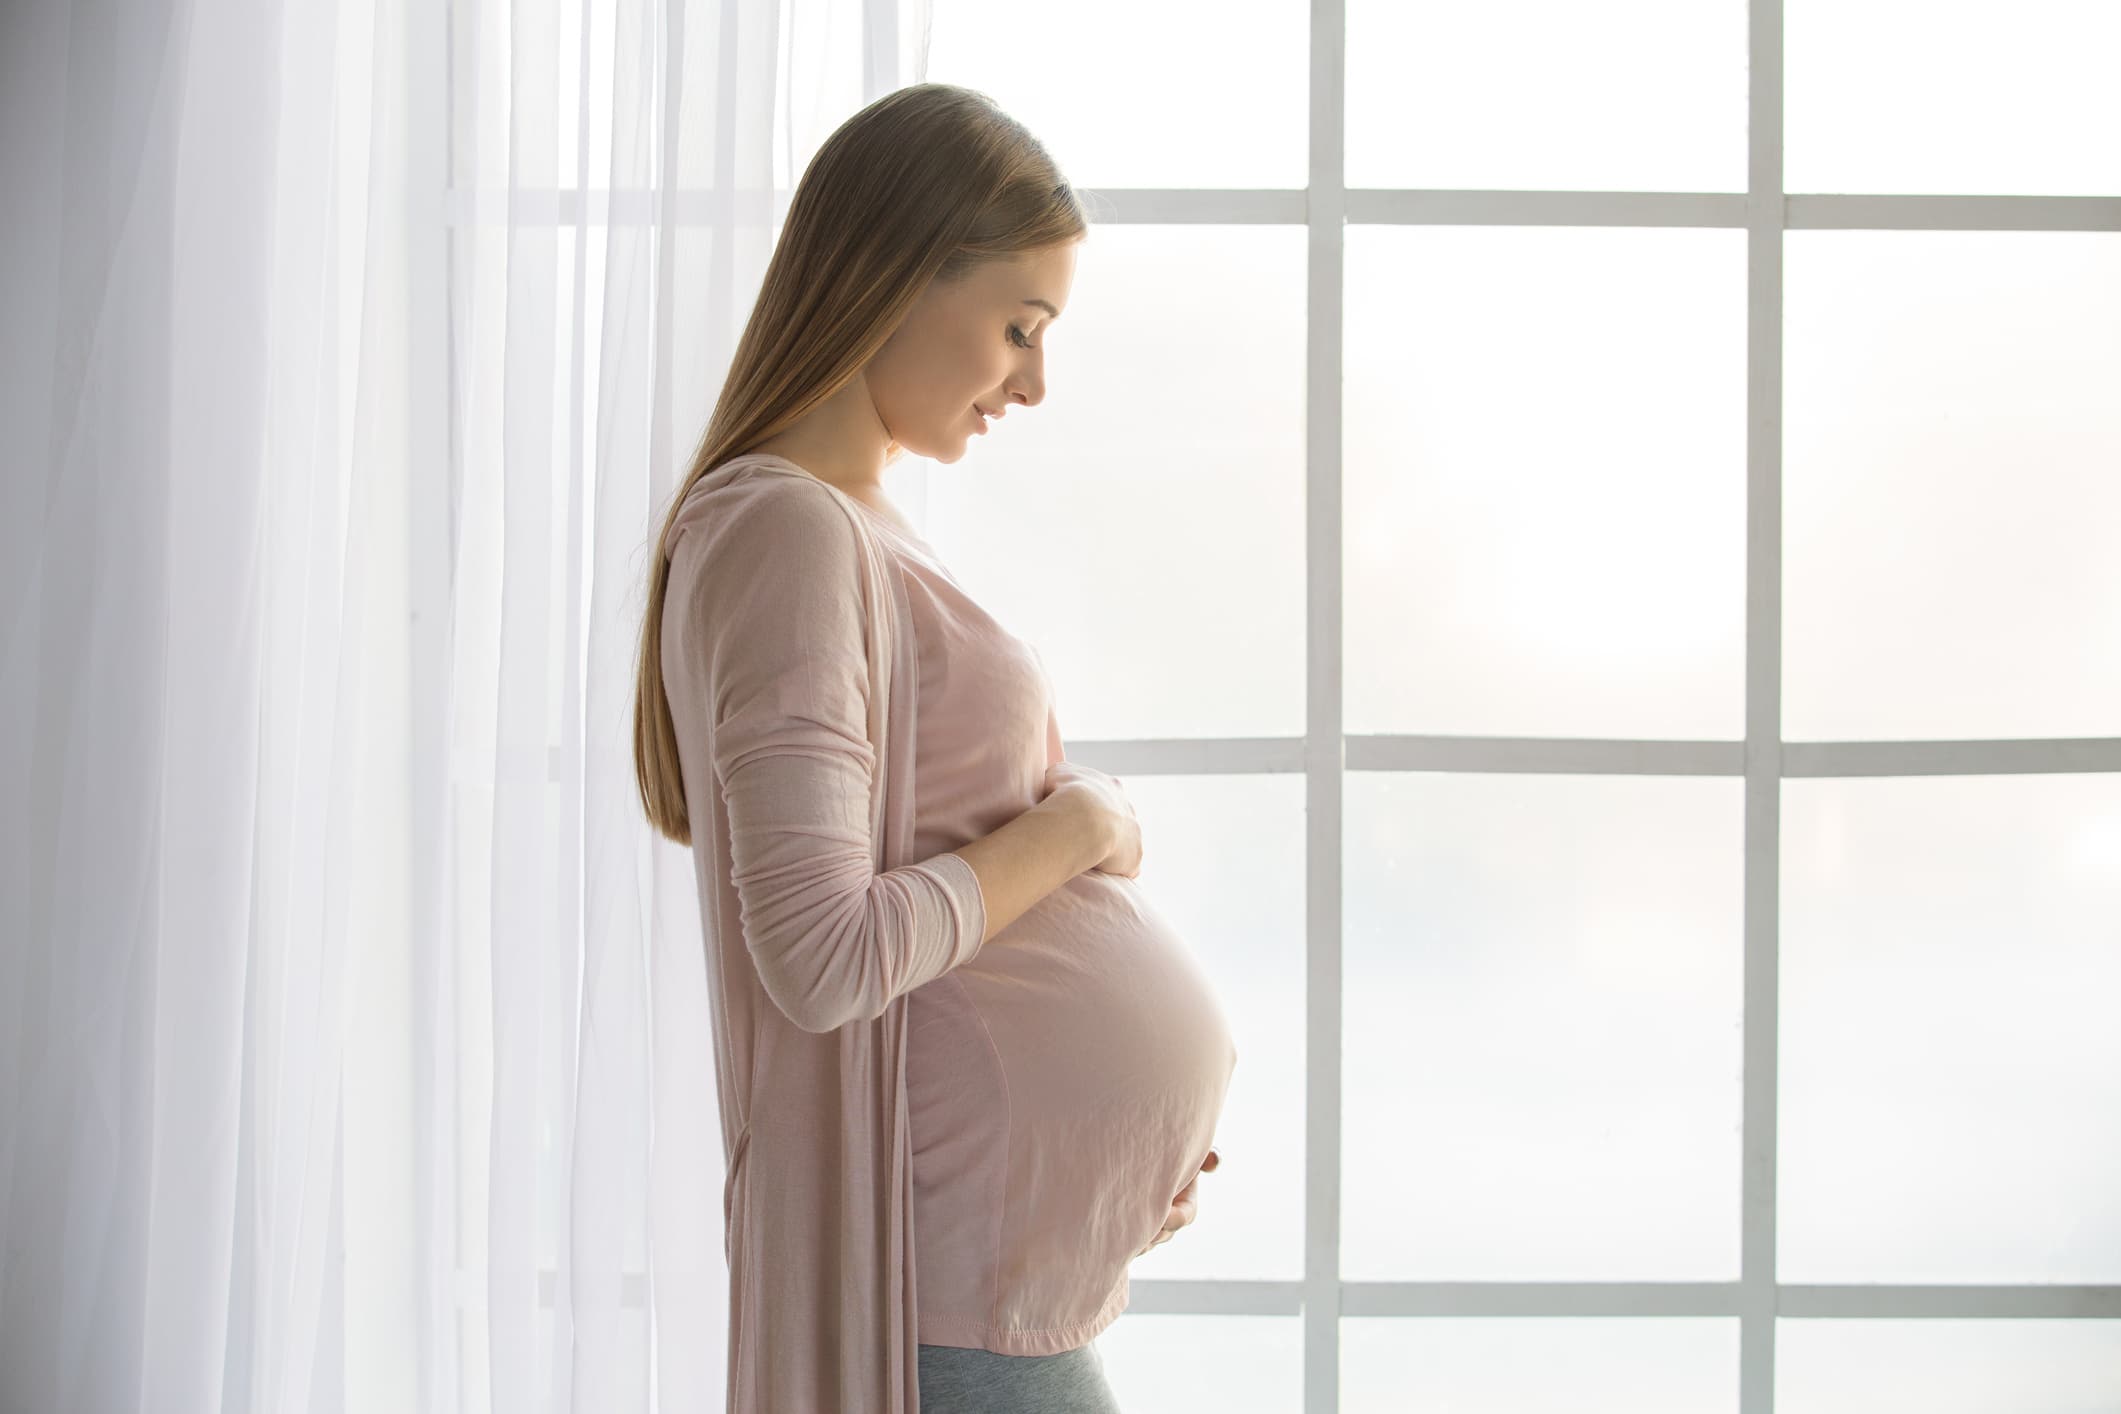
<point x="1031" y="856"/>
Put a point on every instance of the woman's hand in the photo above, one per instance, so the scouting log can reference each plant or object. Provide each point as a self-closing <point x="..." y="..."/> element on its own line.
<point x="1104" y="801"/>
<point x="1186" y="1206"/>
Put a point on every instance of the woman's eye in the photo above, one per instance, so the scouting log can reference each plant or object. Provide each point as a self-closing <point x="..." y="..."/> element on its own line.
<point x="1016" y="336"/>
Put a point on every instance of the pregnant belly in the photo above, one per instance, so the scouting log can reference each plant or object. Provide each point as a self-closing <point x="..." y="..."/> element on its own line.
<point x="1094" y="1030"/>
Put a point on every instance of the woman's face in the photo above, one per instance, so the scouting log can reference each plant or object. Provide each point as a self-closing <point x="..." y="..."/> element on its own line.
<point x="977" y="343"/>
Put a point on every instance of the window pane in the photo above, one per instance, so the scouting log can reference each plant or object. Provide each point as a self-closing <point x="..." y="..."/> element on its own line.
<point x="1951" y="484"/>
<point x="1943" y="1366"/>
<point x="2007" y="97"/>
<point x="1144" y="526"/>
<point x="1548" y="95"/>
<point x="1545" y="482"/>
<point x="1198" y="834"/>
<point x="1144" y="93"/>
<point x="1230" y="1364"/>
<point x="1542" y="1005"/>
<point x="1538" y="1365"/>
<point x="1950" y="1067"/>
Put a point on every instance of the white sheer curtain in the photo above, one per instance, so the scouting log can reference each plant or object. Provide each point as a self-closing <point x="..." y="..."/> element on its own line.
<point x="355" y="1051"/>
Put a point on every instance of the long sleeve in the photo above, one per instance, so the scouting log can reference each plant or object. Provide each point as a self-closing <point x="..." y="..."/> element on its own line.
<point x="776" y="627"/>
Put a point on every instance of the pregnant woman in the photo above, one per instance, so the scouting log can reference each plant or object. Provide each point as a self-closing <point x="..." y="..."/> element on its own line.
<point x="966" y="1071"/>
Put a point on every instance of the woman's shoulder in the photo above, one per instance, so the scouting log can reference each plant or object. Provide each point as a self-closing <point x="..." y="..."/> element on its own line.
<point x="770" y="510"/>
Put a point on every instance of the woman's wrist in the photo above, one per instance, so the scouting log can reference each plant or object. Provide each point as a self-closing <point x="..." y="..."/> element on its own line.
<point x="1086" y="827"/>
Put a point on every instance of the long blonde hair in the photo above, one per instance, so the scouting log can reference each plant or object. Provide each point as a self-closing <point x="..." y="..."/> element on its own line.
<point x="929" y="182"/>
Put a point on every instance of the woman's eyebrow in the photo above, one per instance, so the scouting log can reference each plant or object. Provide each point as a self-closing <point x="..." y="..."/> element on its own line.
<point x="1042" y="304"/>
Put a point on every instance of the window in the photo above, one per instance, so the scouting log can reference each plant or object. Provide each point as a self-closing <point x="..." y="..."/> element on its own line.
<point x="1661" y="982"/>
<point x="1590" y="533"/>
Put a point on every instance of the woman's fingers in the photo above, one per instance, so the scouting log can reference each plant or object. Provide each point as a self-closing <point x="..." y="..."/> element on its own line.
<point x="1178" y="1217"/>
<point x="1185" y="1208"/>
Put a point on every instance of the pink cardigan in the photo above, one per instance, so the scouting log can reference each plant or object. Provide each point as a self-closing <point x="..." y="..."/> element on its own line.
<point x="782" y="619"/>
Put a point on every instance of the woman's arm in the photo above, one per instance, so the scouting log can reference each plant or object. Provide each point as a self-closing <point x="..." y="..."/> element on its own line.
<point x="1033" y="855"/>
<point x="771" y="640"/>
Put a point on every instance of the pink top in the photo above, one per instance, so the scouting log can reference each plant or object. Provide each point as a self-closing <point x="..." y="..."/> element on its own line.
<point x="795" y="675"/>
<point x="1065" y="1081"/>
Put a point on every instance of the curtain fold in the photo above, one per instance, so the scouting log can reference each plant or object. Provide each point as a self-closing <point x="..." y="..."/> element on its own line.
<point x="189" y="454"/>
<point x="354" y="1048"/>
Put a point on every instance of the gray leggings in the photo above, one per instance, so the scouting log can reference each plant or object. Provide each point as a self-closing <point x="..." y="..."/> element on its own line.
<point x="956" y="1380"/>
